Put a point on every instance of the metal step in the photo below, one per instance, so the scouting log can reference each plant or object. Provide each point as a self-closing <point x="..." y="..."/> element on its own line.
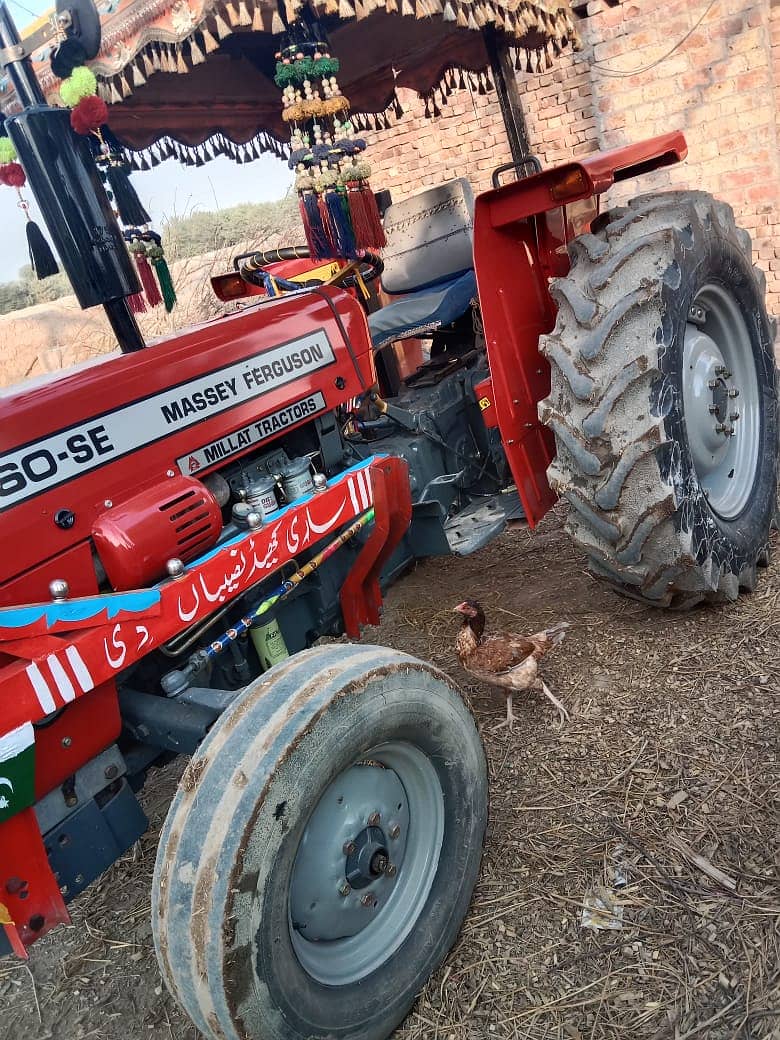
<point x="481" y="521"/>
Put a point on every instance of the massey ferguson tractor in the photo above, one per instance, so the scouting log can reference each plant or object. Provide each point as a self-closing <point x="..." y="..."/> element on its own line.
<point x="182" y="521"/>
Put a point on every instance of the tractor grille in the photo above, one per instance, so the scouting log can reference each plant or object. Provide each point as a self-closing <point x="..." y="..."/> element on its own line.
<point x="191" y="519"/>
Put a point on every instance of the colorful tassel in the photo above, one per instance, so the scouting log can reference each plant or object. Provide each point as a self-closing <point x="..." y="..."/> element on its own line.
<point x="145" y="273"/>
<point x="314" y="228"/>
<point x="163" y="272"/>
<point x="131" y="211"/>
<point x="136" y="303"/>
<point x="366" y="221"/>
<point x="339" y="224"/>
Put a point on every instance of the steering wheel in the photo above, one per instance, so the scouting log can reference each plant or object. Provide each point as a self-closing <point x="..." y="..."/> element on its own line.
<point x="253" y="268"/>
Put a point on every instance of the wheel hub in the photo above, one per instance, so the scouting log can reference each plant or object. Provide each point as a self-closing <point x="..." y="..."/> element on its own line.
<point x="719" y="385"/>
<point x="370" y="858"/>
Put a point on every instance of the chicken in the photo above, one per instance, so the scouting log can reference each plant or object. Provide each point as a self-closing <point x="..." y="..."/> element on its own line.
<point x="504" y="659"/>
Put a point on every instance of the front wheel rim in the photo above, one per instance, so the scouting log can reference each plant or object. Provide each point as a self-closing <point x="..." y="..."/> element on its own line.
<point x="721" y="401"/>
<point x="366" y="863"/>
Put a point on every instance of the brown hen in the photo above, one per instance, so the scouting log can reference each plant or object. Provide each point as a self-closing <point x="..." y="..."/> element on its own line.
<point x="504" y="659"/>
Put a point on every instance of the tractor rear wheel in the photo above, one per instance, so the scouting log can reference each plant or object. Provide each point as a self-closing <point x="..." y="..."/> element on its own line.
<point x="319" y="856"/>
<point x="663" y="401"/>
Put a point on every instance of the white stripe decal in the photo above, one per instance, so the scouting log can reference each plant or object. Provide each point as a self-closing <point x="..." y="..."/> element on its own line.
<point x="64" y="685"/>
<point x="351" y="486"/>
<point x="42" y="691"/>
<point x="80" y="670"/>
<point x="364" y="488"/>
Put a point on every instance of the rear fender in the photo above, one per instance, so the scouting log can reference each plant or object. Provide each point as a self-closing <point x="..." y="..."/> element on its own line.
<point x="521" y="234"/>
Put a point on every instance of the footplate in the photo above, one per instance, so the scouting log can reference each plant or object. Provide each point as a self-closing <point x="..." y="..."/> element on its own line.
<point x="481" y="521"/>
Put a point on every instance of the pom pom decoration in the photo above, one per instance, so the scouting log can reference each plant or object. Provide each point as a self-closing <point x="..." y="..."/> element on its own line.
<point x="12" y="175"/>
<point x="80" y="84"/>
<point x="7" y="151"/>
<point x="89" y="115"/>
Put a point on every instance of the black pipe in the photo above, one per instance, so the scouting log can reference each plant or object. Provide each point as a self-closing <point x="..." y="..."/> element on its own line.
<point x="66" y="184"/>
<point x="508" y="95"/>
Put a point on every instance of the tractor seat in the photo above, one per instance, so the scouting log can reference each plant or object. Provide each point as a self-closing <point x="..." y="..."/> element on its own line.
<point x="428" y="262"/>
<point x="423" y="311"/>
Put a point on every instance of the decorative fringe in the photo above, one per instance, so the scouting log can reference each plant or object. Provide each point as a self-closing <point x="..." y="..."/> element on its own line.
<point x="41" y="257"/>
<point x="136" y="303"/>
<point x="129" y="206"/>
<point x="364" y="213"/>
<point x="314" y="229"/>
<point x="339" y="224"/>
<point x="163" y="273"/>
<point x="145" y="273"/>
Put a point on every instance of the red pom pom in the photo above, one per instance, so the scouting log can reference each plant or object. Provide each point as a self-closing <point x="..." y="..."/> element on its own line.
<point x="13" y="175"/>
<point x="89" y="114"/>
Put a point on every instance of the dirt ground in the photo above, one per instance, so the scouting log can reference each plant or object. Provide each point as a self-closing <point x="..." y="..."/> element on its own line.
<point x="673" y="738"/>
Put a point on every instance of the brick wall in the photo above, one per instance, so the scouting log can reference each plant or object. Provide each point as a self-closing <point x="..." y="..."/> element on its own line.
<point x="721" y="86"/>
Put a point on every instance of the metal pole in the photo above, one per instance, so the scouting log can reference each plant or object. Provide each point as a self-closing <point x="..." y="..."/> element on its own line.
<point x="508" y="95"/>
<point x="20" y="72"/>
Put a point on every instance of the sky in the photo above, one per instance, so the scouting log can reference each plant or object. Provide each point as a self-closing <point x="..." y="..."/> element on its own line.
<point x="167" y="190"/>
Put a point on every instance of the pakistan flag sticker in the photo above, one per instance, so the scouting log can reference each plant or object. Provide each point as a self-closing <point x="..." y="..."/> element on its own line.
<point x="17" y="771"/>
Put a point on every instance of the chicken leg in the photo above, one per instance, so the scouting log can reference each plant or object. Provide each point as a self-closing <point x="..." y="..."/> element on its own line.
<point x="551" y="697"/>
<point x="509" y="721"/>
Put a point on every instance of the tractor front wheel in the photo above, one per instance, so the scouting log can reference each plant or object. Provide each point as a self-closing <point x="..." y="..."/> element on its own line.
<point x="663" y="401"/>
<point x="319" y="857"/>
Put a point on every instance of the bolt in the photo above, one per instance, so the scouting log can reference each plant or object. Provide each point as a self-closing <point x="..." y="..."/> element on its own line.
<point x="394" y="831"/>
<point x="726" y="374"/>
<point x="733" y="416"/>
<point x="733" y="392"/>
<point x="369" y="901"/>
<point x="254" y="520"/>
<point x="720" y="370"/>
<point x="348" y="848"/>
<point x="71" y="800"/>
<point x="110" y="772"/>
<point x="59" y="590"/>
<point x="66" y="741"/>
<point x="373" y="820"/>
<point x="712" y="384"/>
<point x="391" y="870"/>
<point x="79" y="879"/>
<point x="170" y="473"/>
<point x="174" y="567"/>
<point x="344" y="888"/>
<point x="712" y="410"/>
<point x="108" y="503"/>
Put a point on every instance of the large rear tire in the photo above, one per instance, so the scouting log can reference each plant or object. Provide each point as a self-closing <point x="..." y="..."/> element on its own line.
<point x="663" y="401"/>
<point x="319" y="857"/>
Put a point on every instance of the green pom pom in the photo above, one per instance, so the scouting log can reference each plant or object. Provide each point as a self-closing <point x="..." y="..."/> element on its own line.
<point x="7" y="151"/>
<point x="80" y="84"/>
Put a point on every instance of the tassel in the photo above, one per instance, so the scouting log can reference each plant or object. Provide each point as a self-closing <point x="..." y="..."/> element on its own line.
<point x="163" y="273"/>
<point x="210" y="42"/>
<point x="41" y="257"/>
<point x="138" y="77"/>
<point x="145" y="273"/>
<point x="316" y="235"/>
<point x="197" y="57"/>
<point x="223" y="29"/>
<point x="131" y="211"/>
<point x="339" y="223"/>
<point x="364" y="214"/>
<point x="136" y="303"/>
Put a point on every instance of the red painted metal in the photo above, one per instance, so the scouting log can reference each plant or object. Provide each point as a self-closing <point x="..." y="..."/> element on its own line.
<point x="521" y="233"/>
<point x="361" y="596"/>
<point x="134" y="540"/>
<point x="82" y="731"/>
<point x="32" y="412"/>
<point x="28" y="889"/>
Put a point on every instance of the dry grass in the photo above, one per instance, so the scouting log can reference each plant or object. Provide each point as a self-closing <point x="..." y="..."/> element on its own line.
<point x="674" y="735"/>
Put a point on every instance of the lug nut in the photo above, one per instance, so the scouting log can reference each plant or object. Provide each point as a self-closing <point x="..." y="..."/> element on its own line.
<point x="344" y="888"/>
<point x="720" y="370"/>
<point x="369" y="901"/>
<point x="733" y="392"/>
<point x="373" y="820"/>
<point x="348" y="848"/>
<point x="712" y="409"/>
<point x="734" y="416"/>
<point x="720" y="428"/>
<point x="712" y="384"/>
<point x="394" y="831"/>
<point x="391" y="870"/>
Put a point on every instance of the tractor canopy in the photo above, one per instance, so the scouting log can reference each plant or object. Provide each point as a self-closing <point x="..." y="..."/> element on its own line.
<point x="194" y="79"/>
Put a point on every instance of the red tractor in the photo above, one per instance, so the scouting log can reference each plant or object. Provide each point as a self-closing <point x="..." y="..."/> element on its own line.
<point x="182" y="523"/>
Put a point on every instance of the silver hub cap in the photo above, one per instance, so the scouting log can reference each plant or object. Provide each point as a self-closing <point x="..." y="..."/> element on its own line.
<point x="720" y="399"/>
<point x="366" y="863"/>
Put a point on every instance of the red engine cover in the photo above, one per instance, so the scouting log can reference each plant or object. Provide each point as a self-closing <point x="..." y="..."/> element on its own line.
<point x="137" y="538"/>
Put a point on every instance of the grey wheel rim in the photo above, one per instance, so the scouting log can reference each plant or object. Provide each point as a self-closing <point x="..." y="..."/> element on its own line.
<point x="380" y="823"/>
<point x="720" y="398"/>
